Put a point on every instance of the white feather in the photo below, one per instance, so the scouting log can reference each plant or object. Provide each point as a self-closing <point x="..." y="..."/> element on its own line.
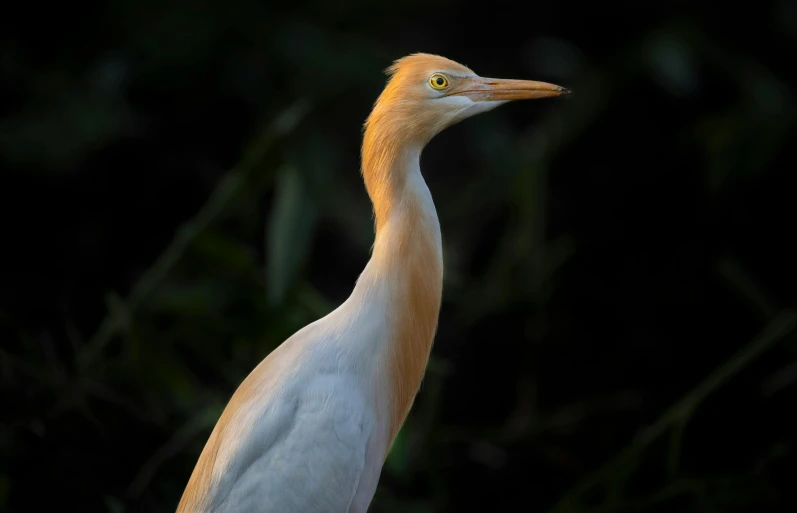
<point x="314" y="436"/>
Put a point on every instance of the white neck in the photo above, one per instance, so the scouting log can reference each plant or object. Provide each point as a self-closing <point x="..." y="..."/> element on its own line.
<point x="402" y="283"/>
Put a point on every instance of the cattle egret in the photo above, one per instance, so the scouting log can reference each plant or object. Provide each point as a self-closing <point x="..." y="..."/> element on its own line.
<point x="309" y="429"/>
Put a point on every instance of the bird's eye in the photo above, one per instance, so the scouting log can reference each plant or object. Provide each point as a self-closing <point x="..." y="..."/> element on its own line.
<point x="438" y="81"/>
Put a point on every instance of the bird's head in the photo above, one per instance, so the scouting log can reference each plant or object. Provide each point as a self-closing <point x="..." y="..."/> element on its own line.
<point x="428" y="93"/>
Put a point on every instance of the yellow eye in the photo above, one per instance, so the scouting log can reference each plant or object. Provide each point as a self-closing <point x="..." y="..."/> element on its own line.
<point x="438" y="81"/>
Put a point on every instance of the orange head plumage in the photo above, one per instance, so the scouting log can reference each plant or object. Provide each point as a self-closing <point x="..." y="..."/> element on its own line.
<point x="427" y="93"/>
<point x="424" y="95"/>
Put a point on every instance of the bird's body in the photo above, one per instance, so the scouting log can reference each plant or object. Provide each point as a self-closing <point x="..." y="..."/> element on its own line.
<point x="309" y="429"/>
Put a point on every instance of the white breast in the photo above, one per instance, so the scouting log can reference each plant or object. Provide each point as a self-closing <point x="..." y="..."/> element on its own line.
<point x="311" y="438"/>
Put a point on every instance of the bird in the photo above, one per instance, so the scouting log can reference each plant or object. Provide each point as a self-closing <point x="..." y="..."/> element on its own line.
<point x="309" y="429"/>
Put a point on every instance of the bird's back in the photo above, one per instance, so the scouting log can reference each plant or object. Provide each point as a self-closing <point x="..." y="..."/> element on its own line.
<point x="293" y="437"/>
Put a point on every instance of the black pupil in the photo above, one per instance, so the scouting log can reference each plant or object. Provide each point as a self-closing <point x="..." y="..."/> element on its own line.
<point x="439" y="81"/>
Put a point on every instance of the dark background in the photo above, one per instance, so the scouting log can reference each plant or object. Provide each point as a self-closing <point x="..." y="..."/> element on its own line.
<point x="180" y="192"/>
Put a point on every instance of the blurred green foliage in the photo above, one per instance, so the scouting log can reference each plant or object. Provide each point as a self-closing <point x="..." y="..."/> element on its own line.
<point x="618" y="326"/>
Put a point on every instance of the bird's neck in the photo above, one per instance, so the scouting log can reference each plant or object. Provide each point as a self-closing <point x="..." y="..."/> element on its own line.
<point x="406" y="268"/>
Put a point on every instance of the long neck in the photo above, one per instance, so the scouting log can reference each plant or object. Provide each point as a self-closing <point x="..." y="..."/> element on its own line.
<point x="406" y="266"/>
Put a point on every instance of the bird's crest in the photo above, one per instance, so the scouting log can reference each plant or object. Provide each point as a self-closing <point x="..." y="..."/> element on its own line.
<point x="424" y="61"/>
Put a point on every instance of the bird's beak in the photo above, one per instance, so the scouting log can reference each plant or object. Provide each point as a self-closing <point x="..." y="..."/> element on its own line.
<point x="480" y="89"/>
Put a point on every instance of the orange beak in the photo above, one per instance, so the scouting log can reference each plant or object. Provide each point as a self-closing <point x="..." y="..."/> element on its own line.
<point x="481" y="89"/>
